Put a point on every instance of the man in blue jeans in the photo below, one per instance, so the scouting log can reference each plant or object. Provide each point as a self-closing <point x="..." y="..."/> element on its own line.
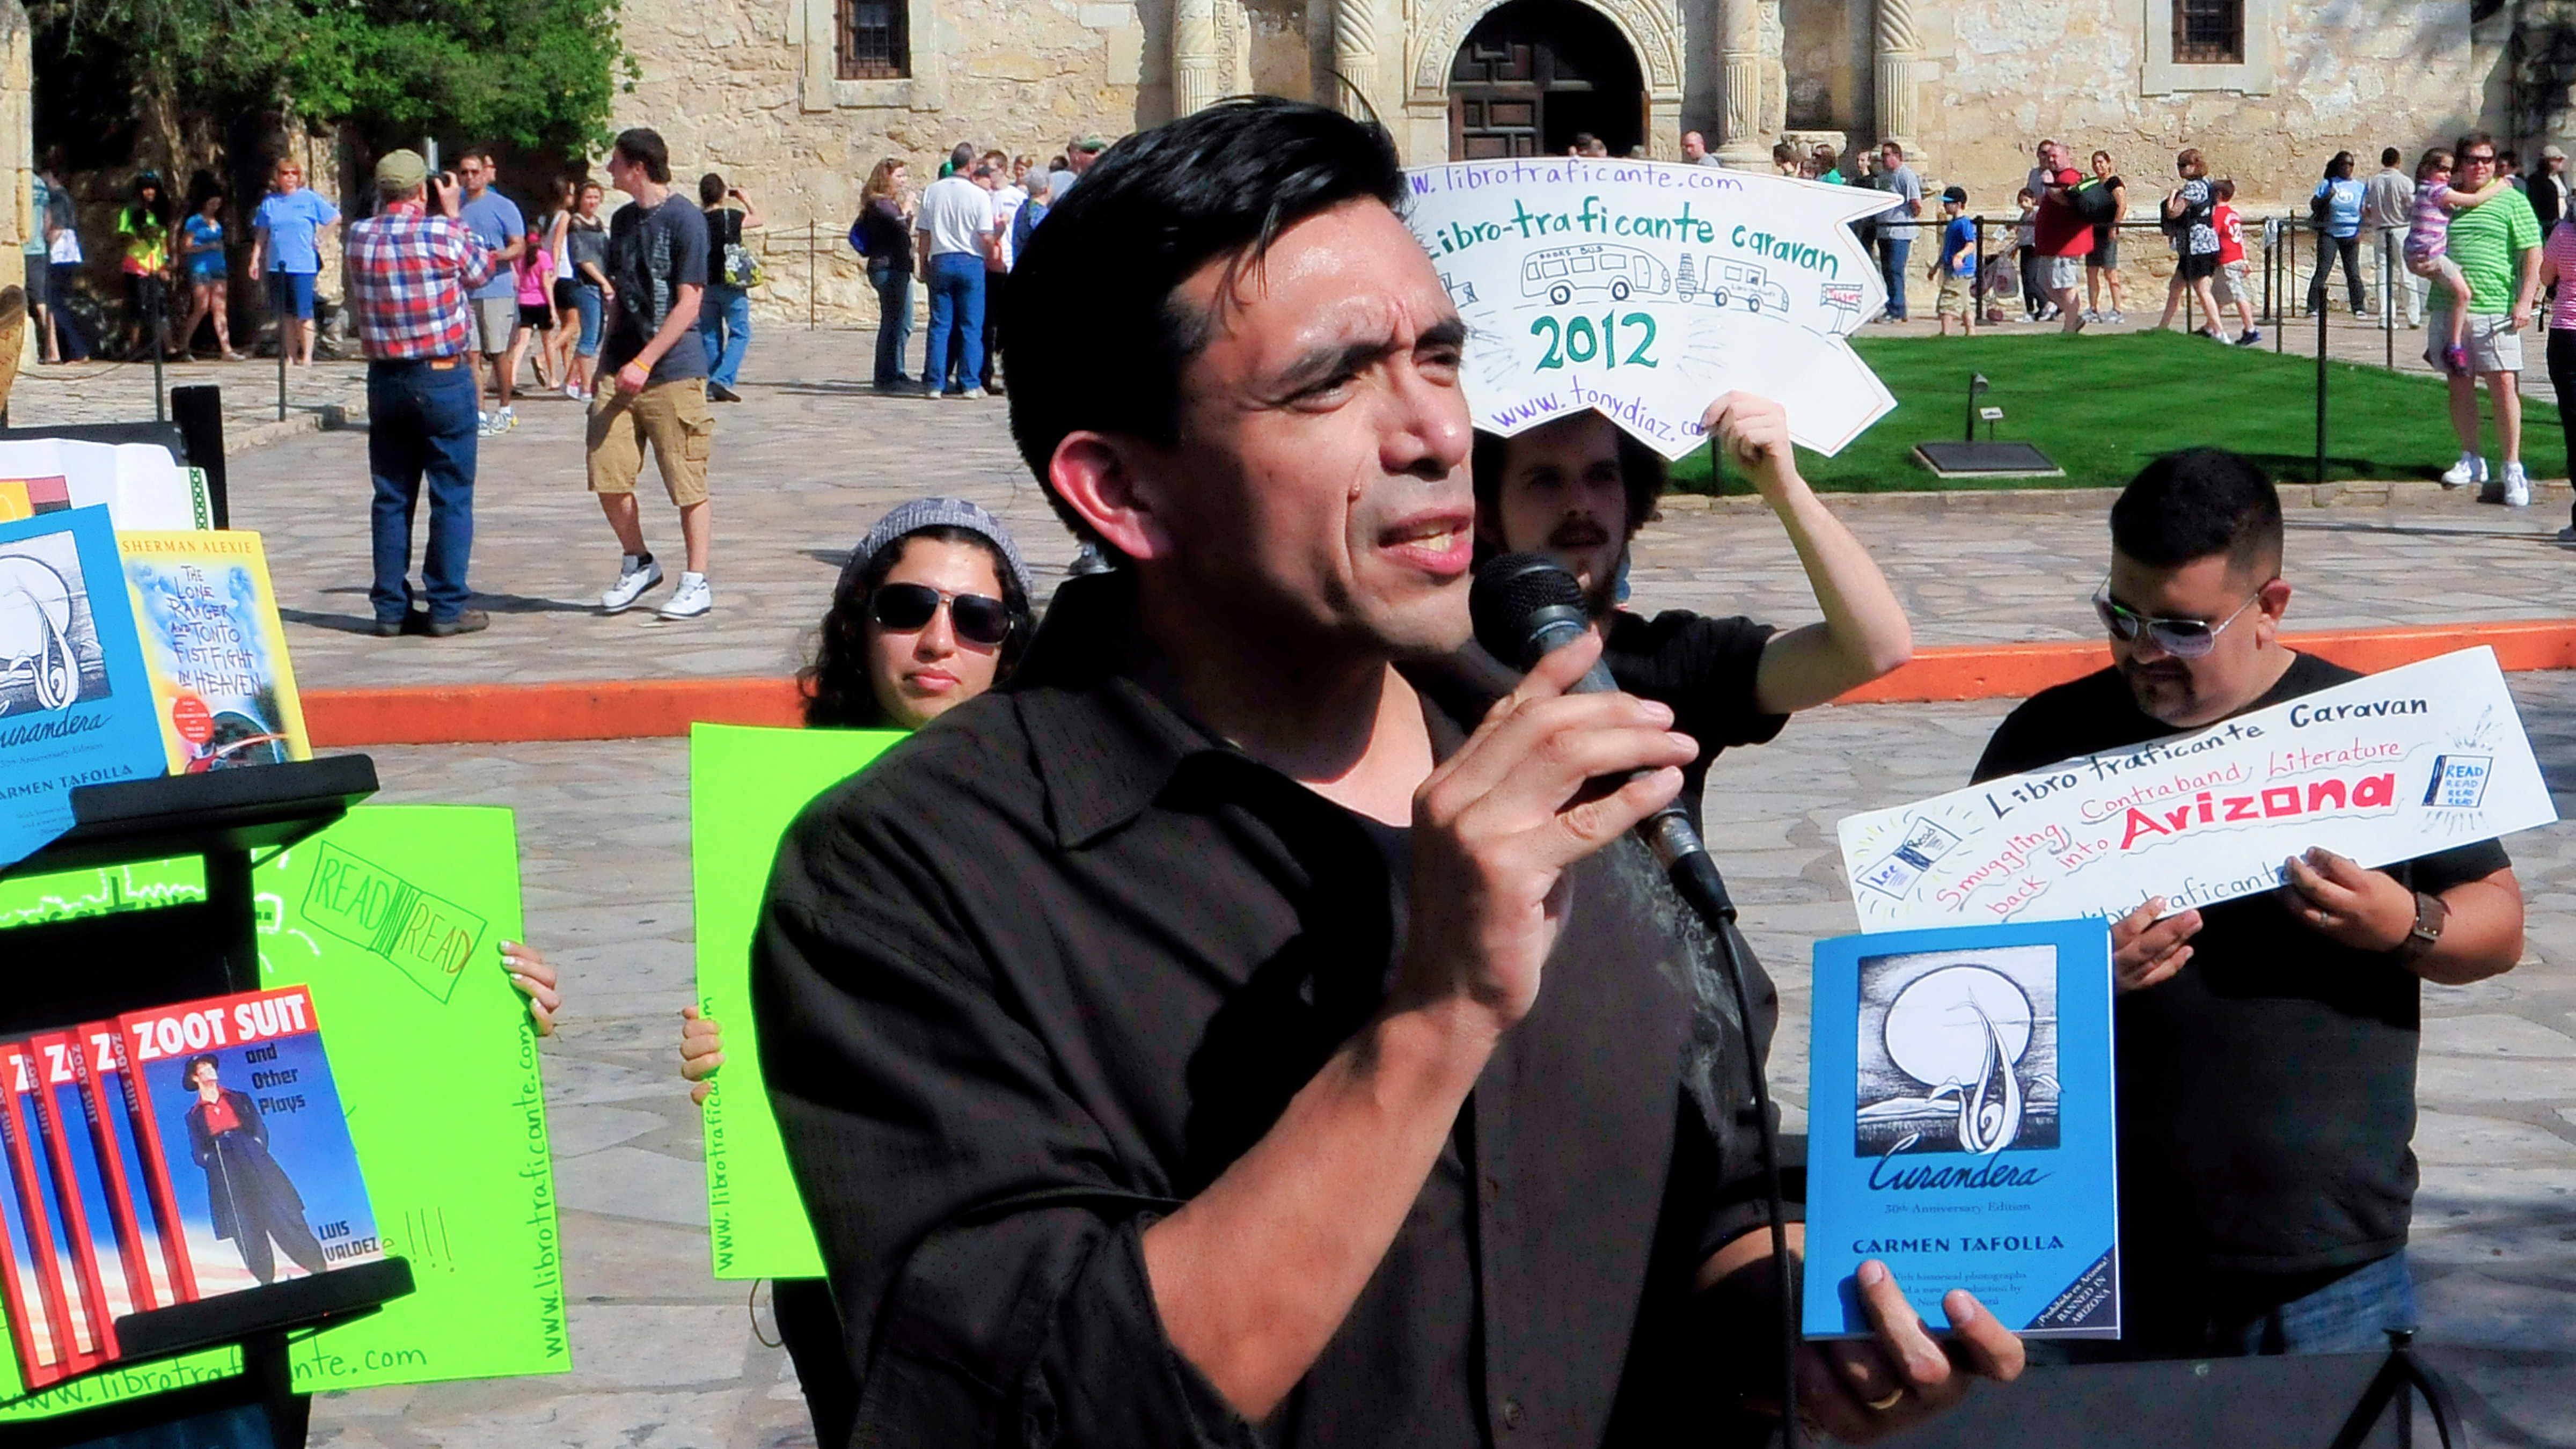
<point x="2265" y="1045"/>
<point x="1896" y="231"/>
<point x="410" y="269"/>
<point x="955" y="224"/>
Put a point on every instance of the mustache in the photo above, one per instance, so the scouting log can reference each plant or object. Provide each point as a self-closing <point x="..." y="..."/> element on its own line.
<point x="1576" y="533"/>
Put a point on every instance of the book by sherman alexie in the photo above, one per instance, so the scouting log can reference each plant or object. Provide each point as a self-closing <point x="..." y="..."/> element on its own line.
<point x="242" y="1125"/>
<point x="1960" y="1126"/>
<point x="221" y="685"/>
<point x="75" y="704"/>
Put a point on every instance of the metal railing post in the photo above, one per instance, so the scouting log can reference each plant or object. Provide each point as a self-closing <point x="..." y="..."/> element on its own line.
<point x="2322" y="313"/>
<point x="2387" y="312"/>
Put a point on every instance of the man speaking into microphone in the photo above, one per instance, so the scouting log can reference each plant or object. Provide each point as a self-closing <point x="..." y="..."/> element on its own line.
<point x="1237" y="1031"/>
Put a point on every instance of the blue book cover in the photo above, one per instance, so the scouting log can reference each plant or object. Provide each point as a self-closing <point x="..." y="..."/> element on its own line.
<point x="75" y="702"/>
<point x="1960" y="1126"/>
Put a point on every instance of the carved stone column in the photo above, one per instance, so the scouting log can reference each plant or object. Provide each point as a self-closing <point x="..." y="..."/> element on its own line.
<point x="1740" y="141"/>
<point x="1355" y="56"/>
<point x="1198" y="71"/>
<point x="1898" y="48"/>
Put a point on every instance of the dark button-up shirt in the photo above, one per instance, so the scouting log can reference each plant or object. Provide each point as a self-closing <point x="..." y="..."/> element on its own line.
<point x="1044" y="970"/>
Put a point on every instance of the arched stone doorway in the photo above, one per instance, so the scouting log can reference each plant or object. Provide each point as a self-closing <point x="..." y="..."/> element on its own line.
<point x="1533" y="73"/>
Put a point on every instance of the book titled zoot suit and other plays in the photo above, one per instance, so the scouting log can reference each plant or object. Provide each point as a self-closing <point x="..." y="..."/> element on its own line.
<point x="174" y="1155"/>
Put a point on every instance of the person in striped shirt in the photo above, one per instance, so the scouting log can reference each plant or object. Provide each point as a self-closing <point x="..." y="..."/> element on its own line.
<point x="2497" y="248"/>
<point x="409" y="269"/>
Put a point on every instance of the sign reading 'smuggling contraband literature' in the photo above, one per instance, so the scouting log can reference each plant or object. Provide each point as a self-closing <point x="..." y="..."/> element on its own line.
<point x="2381" y="769"/>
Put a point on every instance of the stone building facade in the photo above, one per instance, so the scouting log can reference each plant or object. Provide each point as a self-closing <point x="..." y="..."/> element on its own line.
<point x="796" y="99"/>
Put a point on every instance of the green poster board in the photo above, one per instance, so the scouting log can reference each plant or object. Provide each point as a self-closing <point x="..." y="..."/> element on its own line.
<point x="456" y="1157"/>
<point x="746" y="786"/>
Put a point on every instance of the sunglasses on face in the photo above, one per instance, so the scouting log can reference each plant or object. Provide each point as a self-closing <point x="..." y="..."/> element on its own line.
<point x="2181" y="638"/>
<point x="904" y="608"/>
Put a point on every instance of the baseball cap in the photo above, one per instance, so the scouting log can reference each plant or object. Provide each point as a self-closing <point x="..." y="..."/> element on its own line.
<point x="1091" y="144"/>
<point x="1958" y="194"/>
<point x="921" y="513"/>
<point x="397" y="172"/>
<point x="2552" y="153"/>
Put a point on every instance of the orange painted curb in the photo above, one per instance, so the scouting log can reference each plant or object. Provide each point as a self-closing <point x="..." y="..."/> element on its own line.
<point x="665" y="708"/>
<point x="2018" y="671"/>
<point x="571" y="710"/>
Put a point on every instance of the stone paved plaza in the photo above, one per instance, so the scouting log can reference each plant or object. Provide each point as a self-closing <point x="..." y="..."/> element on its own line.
<point x="667" y="1358"/>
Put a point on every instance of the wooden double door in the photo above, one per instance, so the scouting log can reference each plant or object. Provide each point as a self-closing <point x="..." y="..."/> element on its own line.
<point x="1534" y="74"/>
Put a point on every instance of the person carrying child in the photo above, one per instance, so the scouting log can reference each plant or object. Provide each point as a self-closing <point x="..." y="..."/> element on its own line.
<point x="1957" y="265"/>
<point x="2428" y="243"/>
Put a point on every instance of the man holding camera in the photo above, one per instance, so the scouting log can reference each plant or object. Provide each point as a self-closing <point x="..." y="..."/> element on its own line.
<point x="410" y="268"/>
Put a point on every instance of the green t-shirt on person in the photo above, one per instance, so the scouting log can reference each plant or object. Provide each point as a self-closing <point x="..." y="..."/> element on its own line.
<point x="2485" y="242"/>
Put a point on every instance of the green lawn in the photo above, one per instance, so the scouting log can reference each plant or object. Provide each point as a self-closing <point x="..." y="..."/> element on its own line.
<point x="2101" y="406"/>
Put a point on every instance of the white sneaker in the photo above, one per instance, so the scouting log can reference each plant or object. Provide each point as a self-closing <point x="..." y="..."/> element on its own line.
<point x="2517" y="486"/>
<point x="633" y="578"/>
<point x="507" y="419"/>
<point x="691" y="600"/>
<point x="971" y="394"/>
<point x="482" y="424"/>
<point x="572" y="390"/>
<point x="2470" y="469"/>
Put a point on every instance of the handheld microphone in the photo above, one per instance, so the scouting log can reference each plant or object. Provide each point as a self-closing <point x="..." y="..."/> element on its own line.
<point x="1525" y="606"/>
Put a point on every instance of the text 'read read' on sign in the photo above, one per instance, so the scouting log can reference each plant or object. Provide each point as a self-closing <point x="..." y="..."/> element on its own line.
<point x="2381" y="769"/>
<point x="1645" y="291"/>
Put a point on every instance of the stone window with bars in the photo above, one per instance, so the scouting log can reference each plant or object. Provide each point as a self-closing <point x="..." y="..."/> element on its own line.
<point x="2209" y="32"/>
<point x="873" y="40"/>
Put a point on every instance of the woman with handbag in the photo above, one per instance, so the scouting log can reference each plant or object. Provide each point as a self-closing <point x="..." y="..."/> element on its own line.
<point x="724" y="318"/>
<point x="885" y="225"/>
<point x="2334" y="208"/>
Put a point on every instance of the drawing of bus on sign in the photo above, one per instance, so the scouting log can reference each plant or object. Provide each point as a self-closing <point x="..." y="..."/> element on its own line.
<point x="1732" y="282"/>
<point x="1562" y="274"/>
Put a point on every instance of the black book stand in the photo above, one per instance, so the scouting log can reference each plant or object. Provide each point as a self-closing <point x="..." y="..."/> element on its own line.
<point x="90" y="968"/>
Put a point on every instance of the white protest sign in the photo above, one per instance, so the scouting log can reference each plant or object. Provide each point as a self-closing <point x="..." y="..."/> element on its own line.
<point x="1646" y="290"/>
<point x="2382" y="769"/>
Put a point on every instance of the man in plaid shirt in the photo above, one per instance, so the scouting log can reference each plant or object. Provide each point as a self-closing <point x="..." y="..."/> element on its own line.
<point x="409" y="269"/>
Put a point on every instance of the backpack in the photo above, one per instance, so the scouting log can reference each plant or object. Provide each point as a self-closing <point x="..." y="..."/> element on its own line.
<point x="859" y="234"/>
<point x="2094" y="203"/>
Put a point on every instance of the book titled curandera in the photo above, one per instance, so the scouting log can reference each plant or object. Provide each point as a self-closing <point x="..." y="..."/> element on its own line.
<point x="1961" y="1126"/>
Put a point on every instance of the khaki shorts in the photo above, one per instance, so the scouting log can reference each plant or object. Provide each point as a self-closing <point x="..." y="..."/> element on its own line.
<point x="2063" y="274"/>
<point x="1952" y="301"/>
<point x="671" y="416"/>
<point x="495" y="318"/>
<point x="2230" y="283"/>
<point x="2491" y="344"/>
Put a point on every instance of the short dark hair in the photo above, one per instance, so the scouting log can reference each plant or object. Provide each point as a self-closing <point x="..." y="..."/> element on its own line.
<point x="1643" y="472"/>
<point x="838" y="693"/>
<point x="711" y="189"/>
<point x="643" y="146"/>
<point x="1108" y="351"/>
<point x="2189" y="505"/>
<point x="2474" y="138"/>
<point x="961" y="156"/>
<point x="2389" y="156"/>
<point x="477" y="150"/>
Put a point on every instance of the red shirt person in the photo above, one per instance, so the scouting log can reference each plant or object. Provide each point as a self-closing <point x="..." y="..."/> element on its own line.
<point x="2063" y="237"/>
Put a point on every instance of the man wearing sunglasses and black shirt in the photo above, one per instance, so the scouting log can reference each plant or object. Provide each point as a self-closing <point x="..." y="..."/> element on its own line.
<point x="2266" y="1045"/>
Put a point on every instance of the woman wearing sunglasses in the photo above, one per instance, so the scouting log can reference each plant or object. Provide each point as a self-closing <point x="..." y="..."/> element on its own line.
<point x="932" y="609"/>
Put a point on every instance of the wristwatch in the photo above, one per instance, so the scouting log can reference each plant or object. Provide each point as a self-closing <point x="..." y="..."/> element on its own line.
<point x="2430" y="913"/>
